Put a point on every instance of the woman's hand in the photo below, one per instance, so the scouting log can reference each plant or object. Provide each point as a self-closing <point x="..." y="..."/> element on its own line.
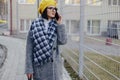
<point x="59" y="21"/>
<point x="29" y="76"/>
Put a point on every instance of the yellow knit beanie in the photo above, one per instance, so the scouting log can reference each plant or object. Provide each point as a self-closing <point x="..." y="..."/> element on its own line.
<point x="46" y="3"/>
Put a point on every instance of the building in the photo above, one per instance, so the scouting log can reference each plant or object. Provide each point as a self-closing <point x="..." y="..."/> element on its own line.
<point x="20" y="15"/>
<point x="99" y="15"/>
<point x="3" y="10"/>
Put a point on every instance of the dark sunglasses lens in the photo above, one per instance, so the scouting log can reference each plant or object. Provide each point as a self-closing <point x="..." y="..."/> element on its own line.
<point x="51" y="8"/>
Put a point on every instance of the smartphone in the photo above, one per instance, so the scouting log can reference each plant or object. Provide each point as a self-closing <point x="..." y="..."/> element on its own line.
<point x="57" y="16"/>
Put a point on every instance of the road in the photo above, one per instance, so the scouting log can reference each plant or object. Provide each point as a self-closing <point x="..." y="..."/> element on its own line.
<point x="4" y="28"/>
<point x="14" y="64"/>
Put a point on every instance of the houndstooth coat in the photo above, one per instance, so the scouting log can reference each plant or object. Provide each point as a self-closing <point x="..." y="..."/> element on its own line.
<point x="51" y="70"/>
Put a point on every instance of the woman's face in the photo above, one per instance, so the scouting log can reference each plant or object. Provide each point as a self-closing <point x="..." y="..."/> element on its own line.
<point x="51" y="11"/>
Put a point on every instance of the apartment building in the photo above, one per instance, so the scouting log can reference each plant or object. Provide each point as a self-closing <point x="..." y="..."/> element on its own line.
<point x="99" y="15"/>
<point x="21" y="13"/>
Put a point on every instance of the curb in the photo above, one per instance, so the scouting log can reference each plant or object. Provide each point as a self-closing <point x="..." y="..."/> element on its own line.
<point x="2" y="68"/>
<point x="66" y="75"/>
<point x="4" y="51"/>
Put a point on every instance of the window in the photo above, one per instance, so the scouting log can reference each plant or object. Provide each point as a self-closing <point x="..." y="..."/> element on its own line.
<point x="75" y="26"/>
<point x="26" y="1"/>
<point x="113" y="2"/>
<point x="67" y="26"/>
<point x="119" y="2"/>
<point x="75" y="1"/>
<point x="93" y="26"/>
<point x="110" y="22"/>
<point x="96" y="27"/>
<point x="88" y="24"/>
<point x="25" y="24"/>
<point x="109" y="2"/>
<point x="72" y="1"/>
<point x="22" y="25"/>
<point x="94" y="2"/>
<point x="72" y="26"/>
<point x="113" y="28"/>
<point x="21" y="1"/>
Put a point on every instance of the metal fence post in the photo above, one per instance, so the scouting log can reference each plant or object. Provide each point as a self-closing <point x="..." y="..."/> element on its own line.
<point x="81" y="27"/>
<point x="17" y="20"/>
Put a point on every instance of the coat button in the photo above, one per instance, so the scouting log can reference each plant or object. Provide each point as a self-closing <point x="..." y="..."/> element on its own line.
<point x="54" y="48"/>
<point x="51" y="59"/>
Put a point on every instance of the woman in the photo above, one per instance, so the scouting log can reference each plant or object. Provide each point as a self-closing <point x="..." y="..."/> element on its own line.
<point x="42" y="51"/>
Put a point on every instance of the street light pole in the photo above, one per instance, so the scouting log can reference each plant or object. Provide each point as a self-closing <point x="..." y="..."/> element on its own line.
<point x="81" y="27"/>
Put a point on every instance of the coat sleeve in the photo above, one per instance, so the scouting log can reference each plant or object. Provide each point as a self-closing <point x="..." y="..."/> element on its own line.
<point x="61" y="35"/>
<point x="29" y="54"/>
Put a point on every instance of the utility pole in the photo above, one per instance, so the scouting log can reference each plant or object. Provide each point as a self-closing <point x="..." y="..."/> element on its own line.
<point x="81" y="27"/>
<point x="10" y="17"/>
<point x="5" y="10"/>
<point x="37" y="8"/>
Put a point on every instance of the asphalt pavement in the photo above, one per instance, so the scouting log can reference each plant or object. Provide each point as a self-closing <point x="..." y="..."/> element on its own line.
<point x="15" y="61"/>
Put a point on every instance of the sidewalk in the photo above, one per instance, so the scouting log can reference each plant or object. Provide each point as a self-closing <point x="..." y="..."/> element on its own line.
<point x="15" y="62"/>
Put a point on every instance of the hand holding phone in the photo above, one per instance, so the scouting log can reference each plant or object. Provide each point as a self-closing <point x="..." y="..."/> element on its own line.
<point x="58" y="18"/>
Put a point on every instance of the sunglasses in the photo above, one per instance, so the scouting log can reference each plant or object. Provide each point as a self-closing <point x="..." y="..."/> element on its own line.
<point x="52" y="8"/>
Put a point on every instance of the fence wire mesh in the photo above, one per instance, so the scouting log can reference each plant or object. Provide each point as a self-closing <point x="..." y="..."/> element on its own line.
<point x="101" y="38"/>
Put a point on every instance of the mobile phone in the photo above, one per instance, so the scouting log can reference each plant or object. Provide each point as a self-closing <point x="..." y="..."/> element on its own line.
<point x="57" y="16"/>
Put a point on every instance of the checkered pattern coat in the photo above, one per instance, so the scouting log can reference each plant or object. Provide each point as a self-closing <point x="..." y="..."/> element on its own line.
<point x="51" y="70"/>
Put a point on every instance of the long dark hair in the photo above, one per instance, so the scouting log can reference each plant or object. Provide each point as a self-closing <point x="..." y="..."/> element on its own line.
<point x="44" y="15"/>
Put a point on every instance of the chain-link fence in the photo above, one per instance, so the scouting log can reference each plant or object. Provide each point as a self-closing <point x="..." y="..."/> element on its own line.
<point x="100" y="39"/>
